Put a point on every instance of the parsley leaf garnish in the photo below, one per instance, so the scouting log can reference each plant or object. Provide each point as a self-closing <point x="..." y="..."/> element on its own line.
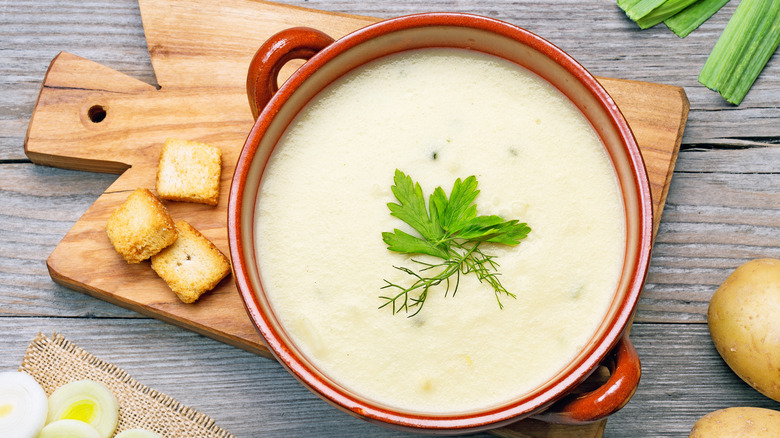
<point x="450" y="230"/>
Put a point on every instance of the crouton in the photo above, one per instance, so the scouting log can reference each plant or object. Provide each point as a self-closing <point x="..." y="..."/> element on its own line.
<point x="189" y="171"/>
<point x="192" y="265"/>
<point x="140" y="227"/>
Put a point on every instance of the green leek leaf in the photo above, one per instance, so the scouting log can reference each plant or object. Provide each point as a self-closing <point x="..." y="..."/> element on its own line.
<point x="667" y="9"/>
<point x="690" y="18"/>
<point x="638" y="9"/>
<point x="743" y="49"/>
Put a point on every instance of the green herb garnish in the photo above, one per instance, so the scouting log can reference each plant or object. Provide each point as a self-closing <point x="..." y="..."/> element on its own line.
<point x="450" y="230"/>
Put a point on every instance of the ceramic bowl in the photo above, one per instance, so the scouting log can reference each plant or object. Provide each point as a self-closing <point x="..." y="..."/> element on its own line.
<point x="561" y="399"/>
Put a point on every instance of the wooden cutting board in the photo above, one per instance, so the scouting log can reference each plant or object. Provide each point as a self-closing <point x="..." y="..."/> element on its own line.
<point x="89" y="117"/>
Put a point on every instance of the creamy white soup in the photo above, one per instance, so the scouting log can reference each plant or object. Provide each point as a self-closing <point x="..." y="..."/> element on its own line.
<point x="439" y="115"/>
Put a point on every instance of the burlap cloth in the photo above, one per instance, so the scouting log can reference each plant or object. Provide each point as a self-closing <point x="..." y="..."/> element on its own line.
<point x="56" y="361"/>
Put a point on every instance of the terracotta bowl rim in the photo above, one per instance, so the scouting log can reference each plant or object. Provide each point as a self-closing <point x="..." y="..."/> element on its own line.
<point x="466" y="422"/>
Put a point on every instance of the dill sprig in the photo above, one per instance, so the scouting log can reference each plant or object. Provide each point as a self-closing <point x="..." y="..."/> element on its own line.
<point x="449" y="229"/>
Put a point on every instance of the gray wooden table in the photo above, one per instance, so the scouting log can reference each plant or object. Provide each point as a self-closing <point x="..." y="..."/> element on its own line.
<point x="723" y="209"/>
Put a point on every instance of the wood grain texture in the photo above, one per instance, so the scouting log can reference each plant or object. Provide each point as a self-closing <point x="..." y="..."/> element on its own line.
<point x="721" y="210"/>
<point x="598" y="34"/>
<point x="251" y="396"/>
<point x="200" y="67"/>
<point x="202" y="98"/>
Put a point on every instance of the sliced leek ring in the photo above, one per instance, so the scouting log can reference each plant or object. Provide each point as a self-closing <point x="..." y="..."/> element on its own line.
<point x="69" y="429"/>
<point x="88" y="401"/>
<point x="137" y="433"/>
<point x="23" y="405"/>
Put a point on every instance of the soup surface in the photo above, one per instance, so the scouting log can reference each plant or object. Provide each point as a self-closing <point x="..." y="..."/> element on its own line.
<point x="439" y="115"/>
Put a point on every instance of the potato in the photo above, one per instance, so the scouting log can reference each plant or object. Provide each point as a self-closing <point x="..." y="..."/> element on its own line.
<point x="744" y="322"/>
<point x="738" y="423"/>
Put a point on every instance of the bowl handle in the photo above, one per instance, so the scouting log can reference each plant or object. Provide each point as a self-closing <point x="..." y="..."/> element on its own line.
<point x="625" y="370"/>
<point x="294" y="43"/>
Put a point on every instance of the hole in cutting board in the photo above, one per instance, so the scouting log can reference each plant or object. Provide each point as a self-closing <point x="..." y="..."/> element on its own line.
<point x="96" y="113"/>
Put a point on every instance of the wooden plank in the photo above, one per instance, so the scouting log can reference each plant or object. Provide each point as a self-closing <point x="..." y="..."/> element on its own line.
<point x="649" y="108"/>
<point x="714" y="220"/>
<point x="614" y="47"/>
<point x="252" y="396"/>
<point x="684" y="378"/>
<point x="208" y="104"/>
<point x="713" y="223"/>
<point x="139" y="117"/>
